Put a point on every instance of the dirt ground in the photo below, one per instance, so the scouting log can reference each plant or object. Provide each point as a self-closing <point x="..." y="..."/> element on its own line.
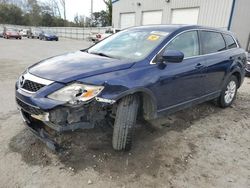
<point x="203" y="146"/>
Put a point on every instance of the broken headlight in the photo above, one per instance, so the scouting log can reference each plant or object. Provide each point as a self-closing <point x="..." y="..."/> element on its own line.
<point x="76" y="93"/>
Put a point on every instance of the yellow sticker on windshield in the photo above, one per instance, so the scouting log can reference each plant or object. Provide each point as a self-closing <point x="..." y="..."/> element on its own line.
<point x="153" y="37"/>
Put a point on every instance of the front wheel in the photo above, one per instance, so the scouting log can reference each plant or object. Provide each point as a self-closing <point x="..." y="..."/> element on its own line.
<point x="125" y="121"/>
<point x="228" y="94"/>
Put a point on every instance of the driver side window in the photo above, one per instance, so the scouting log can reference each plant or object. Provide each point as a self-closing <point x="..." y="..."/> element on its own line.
<point x="187" y="43"/>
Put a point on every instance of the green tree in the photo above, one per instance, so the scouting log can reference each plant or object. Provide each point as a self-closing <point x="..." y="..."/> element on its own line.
<point x="109" y="11"/>
<point x="47" y="20"/>
<point x="34" y="12"/>
<point x="30" y="12"/>
<point x="100" y="19"/>
<point x="10" y="14"/>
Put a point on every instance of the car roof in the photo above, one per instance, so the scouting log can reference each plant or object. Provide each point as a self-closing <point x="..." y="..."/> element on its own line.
<point x="177" y="27"/>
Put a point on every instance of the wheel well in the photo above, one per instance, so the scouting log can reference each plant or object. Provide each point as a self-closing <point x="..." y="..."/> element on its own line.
<point x="147" y="107"/>
<point x="238" y="76"/>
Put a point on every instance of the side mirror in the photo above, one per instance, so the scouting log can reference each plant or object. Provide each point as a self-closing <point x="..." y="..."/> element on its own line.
<point x="172" y="56"/>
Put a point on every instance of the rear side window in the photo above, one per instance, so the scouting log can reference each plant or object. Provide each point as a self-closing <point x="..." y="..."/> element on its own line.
<point x="187" y="43"/>
<point x="230" y="41"/>
<point x="212" y="42"/>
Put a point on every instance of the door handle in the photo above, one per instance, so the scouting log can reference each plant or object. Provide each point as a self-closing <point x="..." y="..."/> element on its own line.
<point x="199" y="66"/>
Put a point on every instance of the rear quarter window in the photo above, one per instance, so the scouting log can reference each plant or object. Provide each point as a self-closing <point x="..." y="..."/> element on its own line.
<point x="230" y="42"/>
<point x="212" y="42"/>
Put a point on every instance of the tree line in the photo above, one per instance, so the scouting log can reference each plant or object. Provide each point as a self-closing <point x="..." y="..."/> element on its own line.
<point x="51" y="13"/>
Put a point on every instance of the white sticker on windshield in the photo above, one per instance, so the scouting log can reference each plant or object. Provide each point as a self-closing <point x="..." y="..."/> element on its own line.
<point x="161" y="33"/>
<point x="138" y="53"/>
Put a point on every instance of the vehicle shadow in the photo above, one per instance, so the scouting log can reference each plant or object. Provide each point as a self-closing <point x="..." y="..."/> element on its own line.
<point x="154" y="147"/>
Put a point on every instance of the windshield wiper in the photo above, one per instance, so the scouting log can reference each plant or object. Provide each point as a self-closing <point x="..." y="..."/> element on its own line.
<point x="100" y="54"/>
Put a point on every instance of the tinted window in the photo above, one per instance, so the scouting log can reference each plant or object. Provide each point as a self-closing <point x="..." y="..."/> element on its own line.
<point x="212" y="42"/>
<point x="229" y="41"/>
<point x="187" y="43"/>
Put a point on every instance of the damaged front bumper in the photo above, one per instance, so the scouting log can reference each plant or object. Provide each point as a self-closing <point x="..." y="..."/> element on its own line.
<point x="39" y="131"/>
<point x="62" y="118"/>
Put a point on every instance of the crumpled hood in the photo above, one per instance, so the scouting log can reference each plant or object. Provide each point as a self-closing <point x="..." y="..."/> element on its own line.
<point x="75" y="66"/>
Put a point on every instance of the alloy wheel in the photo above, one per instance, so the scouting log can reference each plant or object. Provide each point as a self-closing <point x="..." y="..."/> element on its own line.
<point x="230" y="92"/>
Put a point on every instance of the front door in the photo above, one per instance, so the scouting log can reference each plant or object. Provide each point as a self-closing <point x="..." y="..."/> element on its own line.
<point x="181" y="82"/>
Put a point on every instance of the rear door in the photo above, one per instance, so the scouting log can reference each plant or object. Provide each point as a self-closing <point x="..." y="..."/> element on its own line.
<point x="217" y="57"/>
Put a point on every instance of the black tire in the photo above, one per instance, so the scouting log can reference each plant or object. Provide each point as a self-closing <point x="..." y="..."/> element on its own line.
<point x="125" y="121"/>
<point x="221" y="101"/>
<point x="247" y="73"/>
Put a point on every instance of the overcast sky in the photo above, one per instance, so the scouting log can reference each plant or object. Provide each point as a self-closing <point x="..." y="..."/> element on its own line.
<point x="82" y="7"/>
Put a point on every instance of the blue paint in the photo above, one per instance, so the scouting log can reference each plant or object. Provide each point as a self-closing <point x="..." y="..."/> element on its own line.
<point x="48" y="36"/>
<point x="171" y="85"/>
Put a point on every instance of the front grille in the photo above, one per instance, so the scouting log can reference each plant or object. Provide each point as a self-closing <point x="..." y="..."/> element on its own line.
<point x="32" y="86"/>
<point x="28" y="108"/>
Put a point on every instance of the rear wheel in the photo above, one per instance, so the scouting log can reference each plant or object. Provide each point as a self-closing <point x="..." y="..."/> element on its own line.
<point x="228" y="94"/>
<point x="125" y="121"/>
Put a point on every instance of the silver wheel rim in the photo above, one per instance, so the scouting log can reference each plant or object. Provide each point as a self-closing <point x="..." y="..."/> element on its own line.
<point x="230" y="92"/>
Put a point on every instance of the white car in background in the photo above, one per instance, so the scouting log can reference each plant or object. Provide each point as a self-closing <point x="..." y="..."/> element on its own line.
<point x="107" y="33"/>
<point x="23" y="32"/>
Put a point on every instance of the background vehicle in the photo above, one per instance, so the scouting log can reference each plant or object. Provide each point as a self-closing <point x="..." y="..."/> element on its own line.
<point x="1" y="31"/>
<point x="33" y="33"/>
<point x="98" y="37"/>
<point x="143" y="72"/>
<point x="11" y="33"/>
<point x="23" y="32"/>
<point x="48" y="35"/>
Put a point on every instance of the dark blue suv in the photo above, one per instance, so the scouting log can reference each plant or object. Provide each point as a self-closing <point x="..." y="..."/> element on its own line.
<point x="139" y="72"/>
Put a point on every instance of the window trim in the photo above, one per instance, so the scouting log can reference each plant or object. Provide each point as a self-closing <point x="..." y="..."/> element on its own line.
<point x="201" y="55"/>
<point x="198" y="42"/>
<point x="223" y="35"/>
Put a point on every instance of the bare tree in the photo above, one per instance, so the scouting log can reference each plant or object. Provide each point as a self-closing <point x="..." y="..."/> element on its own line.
<point x="63" y="4"/>
<point x="55" y="7"/>
<point x="58" y="8"/>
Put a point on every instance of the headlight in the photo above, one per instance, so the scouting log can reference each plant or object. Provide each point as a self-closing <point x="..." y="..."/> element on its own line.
<point x="76" y="93"/>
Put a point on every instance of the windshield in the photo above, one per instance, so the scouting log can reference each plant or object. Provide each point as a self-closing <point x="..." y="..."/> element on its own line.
<point x="131" y="45"/>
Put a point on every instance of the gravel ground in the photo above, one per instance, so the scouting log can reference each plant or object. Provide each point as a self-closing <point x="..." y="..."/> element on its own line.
<point x="203" y="146"/>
